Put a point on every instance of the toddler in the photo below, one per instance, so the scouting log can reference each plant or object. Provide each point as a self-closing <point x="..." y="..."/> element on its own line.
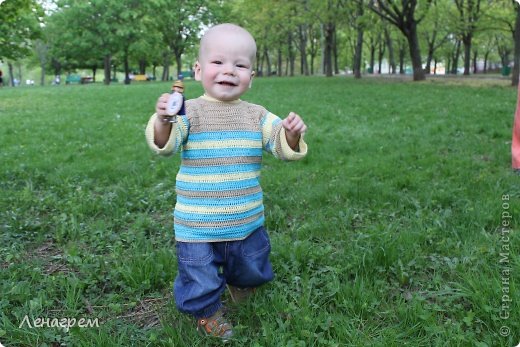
<point x="219" y="213"/>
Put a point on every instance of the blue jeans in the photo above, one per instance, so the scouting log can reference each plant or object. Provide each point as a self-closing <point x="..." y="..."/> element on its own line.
<point x="205" y="268"/>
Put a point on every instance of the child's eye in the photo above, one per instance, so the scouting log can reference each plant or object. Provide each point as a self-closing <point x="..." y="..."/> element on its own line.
<point x="217" y="62"/>
<point x="242" y="66"/>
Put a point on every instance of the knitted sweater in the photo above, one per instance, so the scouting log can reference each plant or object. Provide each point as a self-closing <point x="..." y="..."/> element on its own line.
<point x="219" y="197"/>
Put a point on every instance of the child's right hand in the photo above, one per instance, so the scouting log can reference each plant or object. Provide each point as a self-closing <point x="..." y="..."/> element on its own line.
<point x="162" y="127"/>
<point x="160" y="106"/>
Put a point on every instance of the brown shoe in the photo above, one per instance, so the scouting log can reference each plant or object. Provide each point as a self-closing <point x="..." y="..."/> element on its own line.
<point x="216" y="325"/>
<point x="240" y="295"/>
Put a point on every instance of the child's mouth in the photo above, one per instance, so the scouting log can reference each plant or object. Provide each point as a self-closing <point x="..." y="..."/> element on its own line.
<point x="225" y="83"/>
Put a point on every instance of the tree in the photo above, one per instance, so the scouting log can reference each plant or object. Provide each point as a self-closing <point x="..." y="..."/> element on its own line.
<point x="331" y="11"/>
<point x="436" y="30"/>
<point x="19" y="26"/>
<point x="504" y="17"/>
<point x="469" y="11"/>
<point x="41" y="49"/>
<point x="403" y="17"/>
<point x="179" y="27"/>
<point x="358" y="21"/>
<point x="131" y="19"/>
<point x="90" y="39"/>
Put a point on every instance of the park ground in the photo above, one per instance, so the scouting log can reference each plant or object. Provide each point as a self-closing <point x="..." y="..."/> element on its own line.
<point x="399" y="228"/>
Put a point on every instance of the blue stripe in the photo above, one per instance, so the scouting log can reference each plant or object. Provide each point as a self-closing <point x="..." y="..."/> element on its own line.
<point x="201" y="217"/>
<point x="264" y="119"/>
<point x="183" y="232"/>
<point x="225" y="135"/>
<point x="221" y="153"/>
<point x="218" y="186"/>
<point x="211" y="202"/>
<point x="217" y="169"/>
<point x="276" y="121"/>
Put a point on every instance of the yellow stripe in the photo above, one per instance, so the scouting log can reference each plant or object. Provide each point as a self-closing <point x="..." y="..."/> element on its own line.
<point x="217" y="209"/>
<point x="268" y="127"/>
<point x="218" y="178"/>
<point x="222" y="144"/>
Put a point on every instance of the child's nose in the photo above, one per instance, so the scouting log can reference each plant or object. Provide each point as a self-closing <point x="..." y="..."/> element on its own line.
<point x="229" y="69"/>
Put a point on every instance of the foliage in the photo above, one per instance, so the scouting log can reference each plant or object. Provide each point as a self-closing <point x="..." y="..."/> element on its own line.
<point x="389" y="233"/>
<point x="19" y="25"/>
<point x="179" y="26"/>
<point x="296" y="36"/>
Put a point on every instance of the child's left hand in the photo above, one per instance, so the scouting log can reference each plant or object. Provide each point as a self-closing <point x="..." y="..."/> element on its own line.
<point x="294" y="128"/>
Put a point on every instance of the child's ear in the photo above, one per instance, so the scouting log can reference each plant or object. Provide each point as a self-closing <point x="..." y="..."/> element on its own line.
<point x="251" y="80"/>
<point x="198" y="72"/>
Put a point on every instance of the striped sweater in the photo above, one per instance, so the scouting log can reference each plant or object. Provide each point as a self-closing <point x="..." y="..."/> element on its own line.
<point x="219" y="197"/>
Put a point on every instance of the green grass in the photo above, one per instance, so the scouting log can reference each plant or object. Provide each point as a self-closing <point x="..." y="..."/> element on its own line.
<point x="387" y="234"/>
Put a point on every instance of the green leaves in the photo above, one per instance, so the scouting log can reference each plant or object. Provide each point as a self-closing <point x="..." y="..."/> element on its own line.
<point x="19" y="24"/>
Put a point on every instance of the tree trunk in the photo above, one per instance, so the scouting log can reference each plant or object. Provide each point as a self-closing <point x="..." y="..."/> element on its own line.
<point x="291" y="57"/>
<point x="42" y="76"/>
<point x="18" y="65"/>
<point x="142" y="66"/>
<point x="415" y="53"/>
<point x="56" y="66"/>
<point x="431" y="50"/>
<point x="335" y="51"/>
<point x="475" y="67"/>
<point x="302" y="32"/>
<point x="313" y="47"/>
<point x="267" y="61"/>
<point x="166" y="66"/>
<point x="11" y="74"/>
<point x="358" y="52"/>
<point x="372" y="55"/>
<point x="260" y="64"/>
<point x="166" y="73"/>
<point x="380" y="55"/>
<point x="178" y="60"/>
<point x="402" y="53"/>
<point x="280" y="63"/>
<point x="114" y="69"/>
<point x="106" y="67"/>
<point x="328" y="31"/>
<point x="127" y="68"/>
<point x="466" y="40"/>
<point x="391" y="58"/>
<point x="455" y="59"/>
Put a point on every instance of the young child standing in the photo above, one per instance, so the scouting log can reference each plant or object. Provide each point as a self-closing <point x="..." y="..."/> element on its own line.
<point x="219" y="214"/>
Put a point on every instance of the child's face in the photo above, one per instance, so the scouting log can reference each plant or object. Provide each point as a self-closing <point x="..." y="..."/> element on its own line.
<point x="225" y="65"/>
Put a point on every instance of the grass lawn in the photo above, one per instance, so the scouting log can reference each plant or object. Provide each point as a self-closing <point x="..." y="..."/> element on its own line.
<point x="399" y="228"/>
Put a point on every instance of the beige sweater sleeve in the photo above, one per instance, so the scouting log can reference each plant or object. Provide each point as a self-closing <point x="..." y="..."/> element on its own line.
<point x="275" y="142"/>
<point x="178" y="135"/>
